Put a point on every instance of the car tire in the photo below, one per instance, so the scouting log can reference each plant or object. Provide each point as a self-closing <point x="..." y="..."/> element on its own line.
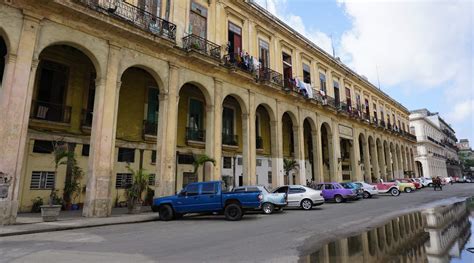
<point x="394" y="192"/>
<point x="430" y="185"/>
<point x="166" y="213"/>
<point x="233" y="212"/>
<point x="338" y="199"/>
<point x="366" y="195"/>
<point x="408" y="190"/>
<point x="306" y="204"/>
<point x="268" y="208"/>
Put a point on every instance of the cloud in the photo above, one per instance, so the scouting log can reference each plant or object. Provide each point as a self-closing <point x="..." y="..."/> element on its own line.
<point x="279" y="8"/>
<point x="461" y="111"/>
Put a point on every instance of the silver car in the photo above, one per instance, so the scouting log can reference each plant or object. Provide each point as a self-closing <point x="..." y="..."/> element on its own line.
<point x="270" y="201"/>
<point x="301" y="196"/>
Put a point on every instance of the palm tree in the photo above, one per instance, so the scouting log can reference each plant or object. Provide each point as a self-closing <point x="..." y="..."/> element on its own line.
<point x="288" y="166"/>
<point x="199" y="160"/>
<point x="61" y="156"/>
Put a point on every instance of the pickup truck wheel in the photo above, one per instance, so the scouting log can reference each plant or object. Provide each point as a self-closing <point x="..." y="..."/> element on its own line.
<point x="408" y="190"/>
<point x="166" y="213"/>
<point x="268" y="208"/>
<point x="233" y="212"/>
<point x="306" y="204"/>
<point x="338" y="199"/>
<point x="366" y="195"/>
<point x="394" y="192"/>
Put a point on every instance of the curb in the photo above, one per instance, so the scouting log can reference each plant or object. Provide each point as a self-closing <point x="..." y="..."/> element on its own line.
<point x="69" y="227"/>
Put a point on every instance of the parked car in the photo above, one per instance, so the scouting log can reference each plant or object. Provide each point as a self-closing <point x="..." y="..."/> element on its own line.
<point x="368" y="189"/>
<point x="406" y="187"/>
<point x="387" y="188"/>
<point x="301" y="196"/>
<point x="413" y="181"/>
<point x="426" y="181"/>
<point x="207" y="197"/>
<point x="357" y="188"/>
<point x="270" y="201"/>
<point x="419" y="180"/>
<point x="336" y="192"/>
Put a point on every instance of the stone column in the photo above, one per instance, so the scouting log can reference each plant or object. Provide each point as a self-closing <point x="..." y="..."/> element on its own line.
<point x="216" y="140"/>
<point x="252" y="170"/>
<point x="98" y="202"/>
<point x="367" y="167"/>
<point x="316" y="157"/>
<point x="382" y="166"/>
<point x="246" y="148"/>
<point x="319" y="155"/>
<point x="16" y="104"/>
<point x="356" y="161"/>
<point x="277" y="153"/>
<point x="209" y="148"/>
<point x="299" y="153"/>
<point x="335" y="156"/>
<point x="374" y="160"/>
<point x="166" y="147"/>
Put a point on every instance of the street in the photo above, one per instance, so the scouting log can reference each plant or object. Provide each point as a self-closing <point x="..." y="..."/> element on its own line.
<point x="279" y="237"/>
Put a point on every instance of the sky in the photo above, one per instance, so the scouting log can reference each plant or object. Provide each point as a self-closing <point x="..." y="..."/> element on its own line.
<point x="420" y="51"/>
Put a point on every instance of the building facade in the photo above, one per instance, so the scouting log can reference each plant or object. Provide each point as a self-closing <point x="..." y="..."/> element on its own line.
<point x="152" y="84"/>
<point x="437" y="153"/>
<point x="466" y="156"/>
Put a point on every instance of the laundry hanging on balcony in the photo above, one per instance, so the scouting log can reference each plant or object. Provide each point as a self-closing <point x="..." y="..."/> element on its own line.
<point x="305" y="88"/>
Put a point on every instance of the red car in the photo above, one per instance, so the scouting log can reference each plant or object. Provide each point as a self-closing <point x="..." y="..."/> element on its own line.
<point x="411" y="180"/>
<point x="387" y="188"/>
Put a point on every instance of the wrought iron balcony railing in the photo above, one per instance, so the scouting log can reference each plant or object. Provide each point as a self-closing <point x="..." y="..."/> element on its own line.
<point x="193" y="134"/>
<point x="43" y="110"/>
<point x="259" y="142"/>
<point x="229" y="139"/>
<point x="268" y="74"/>
<point x="202" y="45"/>
<point x="236" y="60"/>
<point x="87" y="116"/>
<point x="134" y="15"/>
<point x="150" y="128"/>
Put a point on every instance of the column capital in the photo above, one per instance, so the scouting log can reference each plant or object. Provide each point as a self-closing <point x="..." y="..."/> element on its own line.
<point x="173" y="66"/>
<point x="114" y="45"/>
<point x="11" y="58"/>
<point x="245" y="116"/>
<point x="34" y="62"/>
<point x="210" y="108"/>
<point x="218" y="81"/>
<point x="31" y="16"/>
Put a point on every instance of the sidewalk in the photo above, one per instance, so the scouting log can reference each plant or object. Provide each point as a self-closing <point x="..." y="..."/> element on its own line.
<point x="30" y="223"/>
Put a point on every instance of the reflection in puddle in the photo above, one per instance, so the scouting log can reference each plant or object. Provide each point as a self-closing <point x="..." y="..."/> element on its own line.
<point x="439" y="234"/>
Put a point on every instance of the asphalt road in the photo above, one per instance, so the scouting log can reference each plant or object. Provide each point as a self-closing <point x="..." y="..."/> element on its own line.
<point x="278" y="238"/>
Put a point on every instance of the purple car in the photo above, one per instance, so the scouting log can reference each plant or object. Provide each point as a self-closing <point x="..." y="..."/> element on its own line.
<point x="336" y="192"/>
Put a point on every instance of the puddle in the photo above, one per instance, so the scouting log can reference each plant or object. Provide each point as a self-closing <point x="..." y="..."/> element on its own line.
<point x="440" y="234"/>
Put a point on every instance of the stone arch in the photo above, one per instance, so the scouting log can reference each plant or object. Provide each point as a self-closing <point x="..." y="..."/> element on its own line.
<point x="6" y="40"/>
<point x="269" y="110"/>
<point x="4" y="49"/>
<point x="150" y="70"/>
<point x="202" y="88"/>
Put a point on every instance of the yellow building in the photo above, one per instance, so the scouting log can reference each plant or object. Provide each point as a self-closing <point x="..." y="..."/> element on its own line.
<point x="153" y="83"/>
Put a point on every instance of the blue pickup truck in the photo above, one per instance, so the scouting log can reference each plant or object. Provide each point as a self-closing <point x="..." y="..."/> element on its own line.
<point x="207" y="197"/>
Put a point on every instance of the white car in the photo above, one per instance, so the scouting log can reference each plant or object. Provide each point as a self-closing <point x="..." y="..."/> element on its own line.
<point x="369" y="190"/>
<point x="426" y="181"/>
<point x="301" y="196"/>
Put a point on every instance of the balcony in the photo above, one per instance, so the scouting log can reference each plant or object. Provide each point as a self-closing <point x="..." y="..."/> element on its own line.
<point x="366" y="116"/>
<point x="203" y="46"/>
<point x="271" y="76"/>
<point x="150" y="128"/>
<point x="382" y="123"/>
<point x="47" y="111"/>
<point x="195" y="135"/>
<point x="259" y="143"/>
<point x="229" y="139"/>
<point x="236" y="61"/>
<point x="135" y="16"/>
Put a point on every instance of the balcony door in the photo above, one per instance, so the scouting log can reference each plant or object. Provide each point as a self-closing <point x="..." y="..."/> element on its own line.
<point x="337" y="97"/>
<point x="51" y="94"/>
<point x="228" y="121"/>
<point x="198" y="20"/>
<point x="264" y="54"/>
<point x="153" y="106"/>
<point x="196" y="113"/>
<point x="235" y="38"/>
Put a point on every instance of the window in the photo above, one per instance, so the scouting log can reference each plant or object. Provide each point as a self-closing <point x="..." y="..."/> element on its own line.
<point x="358" y="102"/>
<point x="283" y="189"/>
<point x="126" y="155"/>
<point x="297" y="190"/>
<point x="42" y="180"/>
<point x="196" y="114"/>
<point x="153" y="156"/>
<point x="85" y="149"/>
<point x="328" y="186"/>
<point x="151" y="6"/>
<point x="123" y="180"/>
<point x="227" y="164"/>
<point x="192" y="189"/>
<point x="198" y="20"/>
<point x="337" y="98"/>
<point x="153" y="106"/>
<point x="269" y="162"/>
<point x="264" y="54"/>
<point x="239" y="161"/>
<point x="322" y="81"/>
<point x="259" y="162"/>
<point x="239" y="190"/>
<point x="208" y="188"/>
<point x="185" y="159"/>
<point x="235" y="39"/>
<point x="375" y="111"/>
<point x="269" y="177"/>
<point x="367" y="110"/>
<point x="319" y="187"/>
<point x="43" y="146"/>
<point x="151" y="179"/>
<point x="348" y="98"/>
<point x="287" y="69"/>
<point x="228" y="121"/>
<point x="306" y="73"/>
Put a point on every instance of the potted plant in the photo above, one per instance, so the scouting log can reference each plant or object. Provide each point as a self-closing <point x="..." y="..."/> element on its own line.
<point x="37" y="203"/>
<point x="51" y="211"/>
<point x="135" y="191"/>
